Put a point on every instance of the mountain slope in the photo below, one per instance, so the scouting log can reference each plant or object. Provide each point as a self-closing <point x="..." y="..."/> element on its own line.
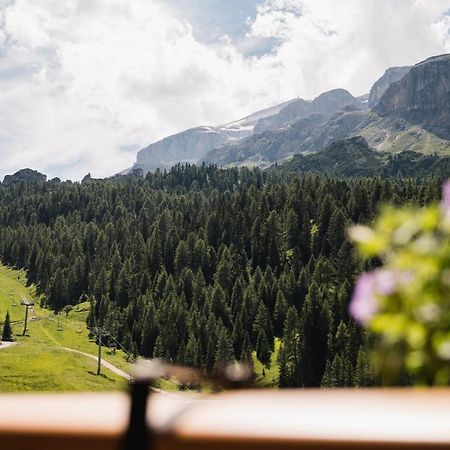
<point x="306" y="135"/>
<point x="193" y="144"/>
<point x="349" y="157"/>
<point x="264" y="148"/>
<point x="327" y="104"/>
<point x="190" y="145"/>
<point x="353" y="157"/>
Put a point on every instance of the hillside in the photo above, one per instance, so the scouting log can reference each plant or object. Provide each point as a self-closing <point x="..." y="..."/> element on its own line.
<point x="353" y="157"/>
<point x="57" y="354"/>
<point x="350" y="157"/>
<point x="40" y="361"/>
<point x="202" y="265"/>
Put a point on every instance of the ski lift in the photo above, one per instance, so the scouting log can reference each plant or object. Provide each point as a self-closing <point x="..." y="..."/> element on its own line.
<point x="79" y="330"/>
<point x="13" y="303"/>
<point x="59" y="327"/>
<point x="113" y="348"/>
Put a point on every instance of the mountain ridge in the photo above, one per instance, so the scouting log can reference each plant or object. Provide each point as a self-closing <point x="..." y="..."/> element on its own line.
<point x="408" y="108"/>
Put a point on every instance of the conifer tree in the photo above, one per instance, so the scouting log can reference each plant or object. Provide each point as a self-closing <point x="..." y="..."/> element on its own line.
<point x="263" y="350"/>
<point x="224" y="353"/>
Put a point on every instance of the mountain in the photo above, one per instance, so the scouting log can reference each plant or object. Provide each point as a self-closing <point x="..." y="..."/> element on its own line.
<point x="353" y="157"/>
<point x="190" y="145"/>
<point x="305" y="135"/>
<point x="263" y="149"/>
<point x="25" y="175"/>
<point x="408" y="109"/>
<point x="391" y="75"/>
<point x="411" y="113"/>
<point x="421" y="97"/>
<point x="327" y="103"/>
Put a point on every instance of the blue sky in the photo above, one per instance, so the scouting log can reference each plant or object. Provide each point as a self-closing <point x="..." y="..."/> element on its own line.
<point x="84" y="84"/>
<point x="212" y="19"/>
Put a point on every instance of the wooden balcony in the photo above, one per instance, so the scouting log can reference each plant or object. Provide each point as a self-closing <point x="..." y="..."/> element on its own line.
<point x="260" y="419"/>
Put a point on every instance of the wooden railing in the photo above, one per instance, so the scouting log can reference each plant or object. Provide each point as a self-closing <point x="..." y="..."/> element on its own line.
<point x="259" y="419"/>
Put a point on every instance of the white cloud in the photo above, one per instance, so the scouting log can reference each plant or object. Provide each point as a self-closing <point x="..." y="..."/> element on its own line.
<point x="85" y="83"/>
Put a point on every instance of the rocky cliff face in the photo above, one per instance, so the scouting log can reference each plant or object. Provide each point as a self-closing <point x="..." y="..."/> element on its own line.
<point x="391" y="75"/>
<point x="309" y="134"/>
<point x="27" y="176"/>
<point x="422" y="96"/>
<point x="327" y="103"/>
<point x="263" y="149"/>
<point x="191" y="145"/>
<point x="187" y="146"/>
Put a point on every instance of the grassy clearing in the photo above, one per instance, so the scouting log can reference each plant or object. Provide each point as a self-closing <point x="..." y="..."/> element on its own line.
<point x="268" y="376"/>
<point x="37" y="362"/>
<point x="36" y="367"/>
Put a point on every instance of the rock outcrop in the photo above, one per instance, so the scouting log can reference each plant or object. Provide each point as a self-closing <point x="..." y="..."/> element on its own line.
<point x="422" y="96"/>
<point x="391" y="75"/>
<point x="27" y="176"/>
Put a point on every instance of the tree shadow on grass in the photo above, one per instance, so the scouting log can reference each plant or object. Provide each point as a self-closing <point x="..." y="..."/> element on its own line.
<point x="101" y="375"/>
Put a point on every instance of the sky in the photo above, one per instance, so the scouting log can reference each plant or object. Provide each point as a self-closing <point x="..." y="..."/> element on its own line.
<point x="84" y="84"/>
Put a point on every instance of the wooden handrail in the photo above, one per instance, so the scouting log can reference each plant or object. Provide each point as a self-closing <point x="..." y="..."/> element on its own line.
<point x="259" y="419"/>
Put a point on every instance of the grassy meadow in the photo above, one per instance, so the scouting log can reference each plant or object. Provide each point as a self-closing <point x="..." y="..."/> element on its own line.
<point x="38" y="361"/>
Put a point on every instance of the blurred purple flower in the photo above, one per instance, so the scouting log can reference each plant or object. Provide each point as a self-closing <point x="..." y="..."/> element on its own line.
<point x="364" y="303"/>
<point x="446" y="196"/>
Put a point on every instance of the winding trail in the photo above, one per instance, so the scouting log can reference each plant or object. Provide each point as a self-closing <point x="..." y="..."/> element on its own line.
<point x="115" y="369"/>
<point x="108" y="365"/>
<point x="104" y="363"/>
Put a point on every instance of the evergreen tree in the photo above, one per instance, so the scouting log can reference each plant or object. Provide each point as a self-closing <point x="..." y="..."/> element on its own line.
<point x="263" y="348"/>
<point x="224" y="353"/>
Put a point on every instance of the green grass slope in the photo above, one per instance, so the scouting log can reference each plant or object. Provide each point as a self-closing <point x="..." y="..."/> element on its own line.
<point x="38" y="362"/>
<point x="394" y="136"/>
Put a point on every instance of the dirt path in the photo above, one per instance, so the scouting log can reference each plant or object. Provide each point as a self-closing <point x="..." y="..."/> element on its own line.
<point x="108" y="365"/>
<point x="114" y="369"/>
<point x="7" y="344"/>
